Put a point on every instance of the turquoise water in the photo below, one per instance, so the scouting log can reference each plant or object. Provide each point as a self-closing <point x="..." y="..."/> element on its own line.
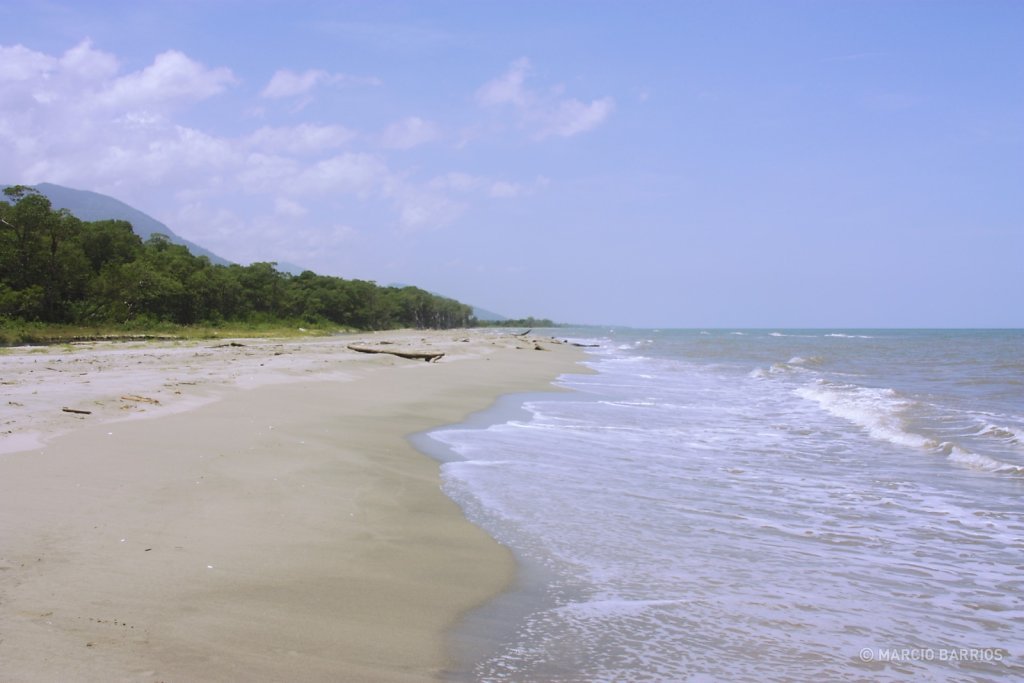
<point x="749" y="505"/>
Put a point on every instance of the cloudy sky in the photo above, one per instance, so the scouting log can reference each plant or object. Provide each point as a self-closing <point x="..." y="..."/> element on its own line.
<point x="676" y="163"/>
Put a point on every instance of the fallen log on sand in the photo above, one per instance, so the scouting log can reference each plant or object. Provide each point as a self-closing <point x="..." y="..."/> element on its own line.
<point x="140" y="399"/>
<point x="429" y="356"/>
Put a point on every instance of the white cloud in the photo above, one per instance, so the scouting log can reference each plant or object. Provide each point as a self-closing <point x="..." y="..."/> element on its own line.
<point x="285" y="83"/>
<point x="18" y="63"/>
<point x="544" y="114"/>
<point x="283" y="235"/>
<point x="286" y="207"/>
<point x="219" y="231"/>
<point x="88" y="63"/>
<point x="172" y="76"/>
<point x="459" y="182"/>
<point x="465" y="183"/>
<point x="421" y="208"/>
<point x="79" y="119"/>
<point x="507" y="88"/>
<point x="266" y="172"/>
<point x="288" y="83"/>
<point x="29" y="75"/>
<point x="571" y="117"/>
<point x="305" y="138"/>
<point x="170" y="156"/>
<point x="502" y="189"/>
<point x="407" y="133"/>
<point x="505" y="190"/>
<point x="359" y="174"/>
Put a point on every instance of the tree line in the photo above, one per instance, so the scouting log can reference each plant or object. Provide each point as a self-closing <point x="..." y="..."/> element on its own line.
<point x="55" y="268"/>
<point x="530" y="322"/>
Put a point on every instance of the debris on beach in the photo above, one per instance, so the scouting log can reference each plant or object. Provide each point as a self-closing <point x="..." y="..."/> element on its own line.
<point x="140" y="399"/>
<point x="429" y="356"/>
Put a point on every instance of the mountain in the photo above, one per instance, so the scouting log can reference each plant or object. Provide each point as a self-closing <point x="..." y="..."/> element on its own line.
<point x="92" y="206"/>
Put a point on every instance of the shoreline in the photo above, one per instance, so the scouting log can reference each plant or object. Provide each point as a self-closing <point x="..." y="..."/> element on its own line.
<point x="287" y="530"/>
<point x="483" y="630"/>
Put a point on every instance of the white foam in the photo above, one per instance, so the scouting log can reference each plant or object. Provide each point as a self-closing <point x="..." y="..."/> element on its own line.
<point x="1008" y="434"/>
<point x="983" y="462"/>
<point x="674" y="497"/>
<point x="876" y="410"/>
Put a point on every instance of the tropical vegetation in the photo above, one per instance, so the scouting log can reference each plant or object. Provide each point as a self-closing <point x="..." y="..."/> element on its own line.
<point x="57" y="269"/>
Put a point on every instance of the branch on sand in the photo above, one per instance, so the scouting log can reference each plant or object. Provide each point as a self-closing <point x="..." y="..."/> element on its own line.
<point x="429" y="356"/>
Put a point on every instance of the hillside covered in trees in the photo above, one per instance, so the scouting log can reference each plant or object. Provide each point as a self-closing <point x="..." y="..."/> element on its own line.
<point x="55" y="268"/>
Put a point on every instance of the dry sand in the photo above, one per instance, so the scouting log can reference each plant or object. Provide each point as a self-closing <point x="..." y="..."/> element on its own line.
<point x="269" y="523"/>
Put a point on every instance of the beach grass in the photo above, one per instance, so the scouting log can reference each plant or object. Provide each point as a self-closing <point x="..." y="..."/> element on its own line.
<point x="19" y="333"/>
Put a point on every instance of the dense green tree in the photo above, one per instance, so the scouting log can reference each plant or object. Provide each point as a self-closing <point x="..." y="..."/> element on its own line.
<point x="55" y="268"/>
<point x="106" y="242"/>
<point x="41" y="259"/>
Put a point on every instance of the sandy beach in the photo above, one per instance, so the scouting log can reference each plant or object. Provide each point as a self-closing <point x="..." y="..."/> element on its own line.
<point x="267" y="521"/>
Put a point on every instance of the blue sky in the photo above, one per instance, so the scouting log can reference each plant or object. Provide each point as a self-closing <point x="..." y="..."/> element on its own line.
<point x="670" y="164"/>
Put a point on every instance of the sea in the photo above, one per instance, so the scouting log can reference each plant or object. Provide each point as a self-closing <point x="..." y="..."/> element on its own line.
<point x="754" y="505"/>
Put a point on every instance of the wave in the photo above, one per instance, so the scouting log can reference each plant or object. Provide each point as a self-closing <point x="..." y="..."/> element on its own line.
<point x="882" y="413"/>
<point x="635" y="345"/>
<point x="794" y="364"/>
<point x="876" y="410"/>
<point x="849" y="336"/>
<point x="1009" y="435"/>
<point x="983" y="462"/>
<point x="633" y="404"/>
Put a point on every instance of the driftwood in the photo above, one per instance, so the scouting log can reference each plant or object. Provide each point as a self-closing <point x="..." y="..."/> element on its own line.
<point x="76" y="411"/>
<point x="140" y="399"/>
<point x="429" y="356"/>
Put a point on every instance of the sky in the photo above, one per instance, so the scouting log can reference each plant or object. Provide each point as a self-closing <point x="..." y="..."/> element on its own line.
<point x="651" y="164"/>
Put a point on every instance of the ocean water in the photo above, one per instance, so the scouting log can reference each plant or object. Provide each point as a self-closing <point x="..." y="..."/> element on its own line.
<point x="763" y="505"/>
